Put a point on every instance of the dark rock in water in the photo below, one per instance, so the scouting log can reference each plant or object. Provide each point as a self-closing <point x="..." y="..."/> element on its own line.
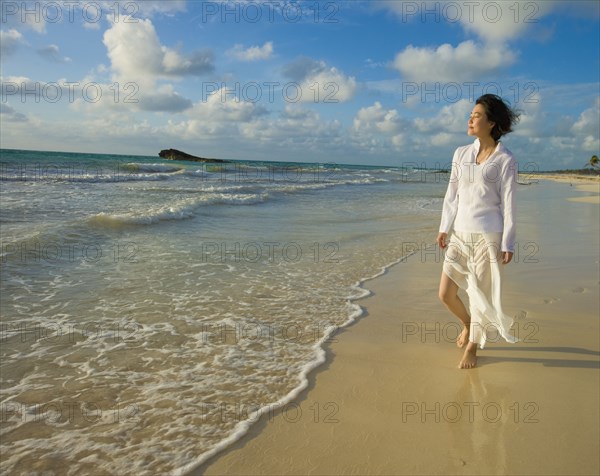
<point x="174" y="154"/>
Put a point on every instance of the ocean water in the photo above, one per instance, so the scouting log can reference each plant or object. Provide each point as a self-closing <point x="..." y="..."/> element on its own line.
<point x="152" y="309"/>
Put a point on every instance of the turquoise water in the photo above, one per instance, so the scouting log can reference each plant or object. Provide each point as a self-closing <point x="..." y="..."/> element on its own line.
<point x="142" y="299"/>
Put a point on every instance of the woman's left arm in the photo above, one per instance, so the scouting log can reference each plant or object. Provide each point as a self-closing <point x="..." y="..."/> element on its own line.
<point x="509" y="207"/>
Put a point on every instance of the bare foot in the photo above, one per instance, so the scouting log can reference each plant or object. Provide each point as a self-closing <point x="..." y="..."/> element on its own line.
<point x="469" y="359"/>
<point x="463" y="338"/>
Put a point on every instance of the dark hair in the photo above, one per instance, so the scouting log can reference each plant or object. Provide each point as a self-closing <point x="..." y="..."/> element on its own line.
<point x="500" y="113"/>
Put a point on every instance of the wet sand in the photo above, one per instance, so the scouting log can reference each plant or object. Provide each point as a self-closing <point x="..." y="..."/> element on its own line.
<point x="390" y="399"/>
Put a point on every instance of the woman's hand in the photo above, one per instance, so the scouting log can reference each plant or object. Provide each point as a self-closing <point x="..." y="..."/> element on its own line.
<point x="441" y="240"/>
<point x="506" y="257"/>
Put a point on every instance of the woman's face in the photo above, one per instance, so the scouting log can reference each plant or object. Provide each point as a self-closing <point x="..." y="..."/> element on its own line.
<point x="479" y="125"/>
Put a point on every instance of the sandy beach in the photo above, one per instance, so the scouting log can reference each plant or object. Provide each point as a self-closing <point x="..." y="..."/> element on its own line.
<point x="582" y="183"/>
<point x="390" y="399"/>
<point x="219" y="228"/>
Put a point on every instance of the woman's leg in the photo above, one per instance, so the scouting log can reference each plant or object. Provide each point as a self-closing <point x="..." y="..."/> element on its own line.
<point x="448" y="294"/>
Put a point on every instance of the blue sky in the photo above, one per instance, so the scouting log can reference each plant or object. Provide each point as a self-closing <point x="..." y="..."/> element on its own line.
<point x="377" y="83"/>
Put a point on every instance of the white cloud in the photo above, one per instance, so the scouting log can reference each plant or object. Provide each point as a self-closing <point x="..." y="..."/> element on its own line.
<point x="223" y="106"/>
<point x="497" y="22"/>
<point x="251" y="133"/>
<point x="9" y="41"/>
<point x="493" y="22"/>
<point x="302" y="67"/>
<point x="52" y="53"/>
<point x="254" y="53"/>
<point x="165" y="99"/>
<point x="328" y="86"/>
<point x="136" y="54"/>
<point x="376" y="129"/>
<point x="91" y="25"/>
<point x="588" y="122"/>
<point x="295" y="127"/>
<point x="587" y="128"/>
<point x="376" y="118"/>
<point x="591" y="144"/>
<point x="467" y="62"/>
<point x="451" y="118"/>
<point x="535" y="122"/>
<point x="9" y="114"/>
<point x="442" y="139"/>
<point x="90" y="96"/>
<point x="20" y="87"/>
<point x="319" y="82"/>
<point x="539" y="123"/>
<point x="220" y="117"/>
<point x="399" y="140"/>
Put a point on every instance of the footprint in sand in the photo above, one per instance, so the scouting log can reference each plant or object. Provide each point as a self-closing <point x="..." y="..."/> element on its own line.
<point x="550" y="300"/>
<point x="578" y="290"/>
<point x="521" y="315"/>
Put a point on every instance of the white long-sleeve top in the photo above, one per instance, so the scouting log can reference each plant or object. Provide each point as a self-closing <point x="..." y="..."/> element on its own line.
<point x="480" y="198"/>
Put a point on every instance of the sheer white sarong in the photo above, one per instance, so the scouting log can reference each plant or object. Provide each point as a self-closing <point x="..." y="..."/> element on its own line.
<point x="474" y="262"/>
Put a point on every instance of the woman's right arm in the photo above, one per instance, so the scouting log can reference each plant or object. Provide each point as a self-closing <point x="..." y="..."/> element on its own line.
<point x="441" y="239"/>
<point x="450" y="202"/>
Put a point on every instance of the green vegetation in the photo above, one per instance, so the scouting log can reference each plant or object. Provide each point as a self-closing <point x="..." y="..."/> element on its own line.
<point x="594" y="162"/>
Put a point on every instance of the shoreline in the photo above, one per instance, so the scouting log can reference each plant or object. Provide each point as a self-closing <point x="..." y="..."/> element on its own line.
<point x="583" y="183"/>
<point x="564" y="175"/>
<point x="322" y="360"/>
<point x="348" y="417"/>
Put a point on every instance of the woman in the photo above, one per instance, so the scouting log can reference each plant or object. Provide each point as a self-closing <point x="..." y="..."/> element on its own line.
<point x="479" y="207"/>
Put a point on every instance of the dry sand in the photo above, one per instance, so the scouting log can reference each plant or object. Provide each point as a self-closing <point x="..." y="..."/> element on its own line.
<point x="583" y="183"/>
<point x="569" y="178"/>
<point x="593" y="188"/>
<point x="390" y="399"/>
